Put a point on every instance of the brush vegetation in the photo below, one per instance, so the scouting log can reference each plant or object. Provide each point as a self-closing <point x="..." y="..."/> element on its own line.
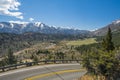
<point x="103" y="62"/>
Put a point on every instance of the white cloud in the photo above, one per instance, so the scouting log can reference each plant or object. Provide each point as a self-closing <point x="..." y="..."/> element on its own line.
<point x="19" y="22"/>
<point x="10" y="8"/>
<point x="31" y="19"/>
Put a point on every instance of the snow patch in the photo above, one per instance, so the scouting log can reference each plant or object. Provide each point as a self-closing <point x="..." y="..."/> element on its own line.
<point x="1" y="25"/>
<point x="116" y="22"/>
<point x="37" y="24"/>
<point x="11" y="25"/>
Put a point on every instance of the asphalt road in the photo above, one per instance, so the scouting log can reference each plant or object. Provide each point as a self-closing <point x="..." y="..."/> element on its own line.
<point x="45" y="72"/>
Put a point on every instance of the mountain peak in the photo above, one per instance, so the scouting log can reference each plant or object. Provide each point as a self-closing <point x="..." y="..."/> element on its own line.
<point x="116" y="22"/>
<point x="37" y="24"/>
<point x="115" y="26"/>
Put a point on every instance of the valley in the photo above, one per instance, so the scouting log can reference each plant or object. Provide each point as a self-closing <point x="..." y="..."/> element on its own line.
<point x="59" y="39"/>
<point x="69" y="45"/>
<point x="17" y="48"/>
<point x="50" y="50"/>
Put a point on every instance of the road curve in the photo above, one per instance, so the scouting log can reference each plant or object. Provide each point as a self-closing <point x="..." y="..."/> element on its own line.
<point x="45" y="72"/>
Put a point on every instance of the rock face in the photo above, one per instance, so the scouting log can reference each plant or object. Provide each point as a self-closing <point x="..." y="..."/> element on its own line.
<point x="38" y="27"/>
<point x="115" y="26"/>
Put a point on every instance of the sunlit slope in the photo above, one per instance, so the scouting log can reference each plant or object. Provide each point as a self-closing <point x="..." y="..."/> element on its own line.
<point x="81" y="42"/>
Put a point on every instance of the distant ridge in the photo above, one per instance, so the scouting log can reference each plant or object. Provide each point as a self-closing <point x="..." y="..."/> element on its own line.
<point x="115" y="26"/>
<point x="38" y="27"/>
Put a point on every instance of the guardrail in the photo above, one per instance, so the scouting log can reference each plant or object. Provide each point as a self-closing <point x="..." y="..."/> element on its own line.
<point x="27" y="64"/>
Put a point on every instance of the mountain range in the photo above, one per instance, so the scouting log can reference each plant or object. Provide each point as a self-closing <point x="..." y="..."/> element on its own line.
<point x="37" y="27"/>
<point x="115" y="27"/>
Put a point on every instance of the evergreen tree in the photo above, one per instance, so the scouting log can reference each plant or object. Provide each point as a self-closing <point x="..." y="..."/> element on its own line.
<point x="11" y="58"/>
<point x="107" y="43"/>
<point x="102" y="63"/>
<point x="35" y="58"/>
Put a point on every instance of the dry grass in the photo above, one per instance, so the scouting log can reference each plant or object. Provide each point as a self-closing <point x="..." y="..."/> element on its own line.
<point x="82" y="42"/>
<point x="86" y="77"/>
<point x="91" y="77"/>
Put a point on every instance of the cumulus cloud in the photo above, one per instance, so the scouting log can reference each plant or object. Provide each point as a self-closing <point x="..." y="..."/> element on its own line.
<point x="19" y="22"/>
<point x="31" y="19"/>
<point x="10" y="8"/>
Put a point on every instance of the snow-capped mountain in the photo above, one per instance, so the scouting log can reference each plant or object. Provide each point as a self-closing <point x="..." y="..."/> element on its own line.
<point x="116" y="22"/>
<point x="115" y="26"/>
<point x="38" y="27"/>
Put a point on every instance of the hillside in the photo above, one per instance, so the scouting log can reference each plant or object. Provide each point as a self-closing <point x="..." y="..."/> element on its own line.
<point x="116" y="38"/>
<point x="20" y="41"/>
<point x="47" y="50"/>
<point x="115" y="27"/>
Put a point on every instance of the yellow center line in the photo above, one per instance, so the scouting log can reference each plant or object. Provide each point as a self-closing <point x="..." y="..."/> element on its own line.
<point x="53" y="73"/>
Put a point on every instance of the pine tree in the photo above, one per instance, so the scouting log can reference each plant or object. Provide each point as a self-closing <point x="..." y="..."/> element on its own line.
<point x="107" y="43"/>
<point x="11" y="58"/>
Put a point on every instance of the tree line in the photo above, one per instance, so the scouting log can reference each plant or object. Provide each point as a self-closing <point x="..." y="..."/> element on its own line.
<point x="103" y="61"/>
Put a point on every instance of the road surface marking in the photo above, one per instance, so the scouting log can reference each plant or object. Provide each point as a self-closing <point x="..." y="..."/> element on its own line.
<point x="53" y="73"/>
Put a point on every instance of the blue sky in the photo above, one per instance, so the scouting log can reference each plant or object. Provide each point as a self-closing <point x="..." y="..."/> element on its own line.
<point x="82" y="14"/>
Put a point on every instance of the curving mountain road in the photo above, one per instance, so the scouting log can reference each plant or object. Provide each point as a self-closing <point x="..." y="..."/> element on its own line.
<point x="45" y="72"/>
